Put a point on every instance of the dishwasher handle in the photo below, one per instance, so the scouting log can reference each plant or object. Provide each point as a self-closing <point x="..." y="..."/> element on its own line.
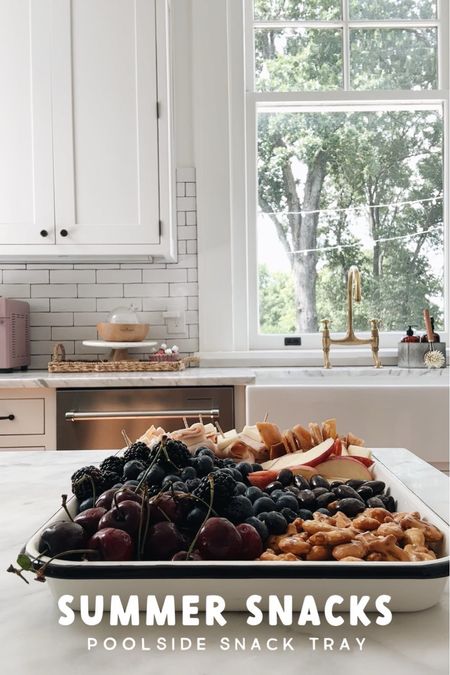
<point x="72" y="416"/>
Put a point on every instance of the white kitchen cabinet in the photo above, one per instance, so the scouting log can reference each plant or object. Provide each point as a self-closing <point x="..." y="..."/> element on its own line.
<point x="27" y="419"/>
<point x="102" y="73"/>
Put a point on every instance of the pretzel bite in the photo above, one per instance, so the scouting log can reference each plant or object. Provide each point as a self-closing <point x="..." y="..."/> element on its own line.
<point x="419" y="553"/>
<point x="390" y="528"/>
<point x="388" y="546"/>
<point x="382" y="515"/>
<point x="341" y="520"/>
<point x="319" y="553"/>
<point x="314" y="526"/>
<point x="414" y="536"/>
<point x="270" y="555"/>
<point x="364" y="523"/>
<point x="431" y="532"/>
<point x="355" y="549"/>
<point x="350" y="558"/>
<point x="294" y="544"/>
<point x="333" y="537"/>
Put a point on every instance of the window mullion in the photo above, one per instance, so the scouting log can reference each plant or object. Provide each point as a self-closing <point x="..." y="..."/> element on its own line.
<point x="346" y="46"/>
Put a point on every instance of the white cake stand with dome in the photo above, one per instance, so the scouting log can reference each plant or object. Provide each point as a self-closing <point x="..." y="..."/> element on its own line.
<point x="119" y="350"/>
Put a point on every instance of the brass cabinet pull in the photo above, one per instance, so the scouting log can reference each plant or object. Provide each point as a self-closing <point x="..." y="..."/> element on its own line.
<point x="73" y="416"/>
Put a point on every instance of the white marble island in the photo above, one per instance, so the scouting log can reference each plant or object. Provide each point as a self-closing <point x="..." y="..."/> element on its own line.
<point x="33" y="642"/>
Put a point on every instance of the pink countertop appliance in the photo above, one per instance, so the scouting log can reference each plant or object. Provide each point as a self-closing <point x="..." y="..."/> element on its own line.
<point x="14" y="335"/>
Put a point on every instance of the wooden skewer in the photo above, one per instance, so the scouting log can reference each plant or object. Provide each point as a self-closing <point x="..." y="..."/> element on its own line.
<point x="186" y="425"/>
<point x="266" y="417"/>
<point x="219" y="428"/>
<point x="126" y="438"/>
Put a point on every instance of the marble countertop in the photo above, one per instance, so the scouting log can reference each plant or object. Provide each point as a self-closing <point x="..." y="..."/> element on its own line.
<point x="227" y="376"/>
<point x="34" y="642"/>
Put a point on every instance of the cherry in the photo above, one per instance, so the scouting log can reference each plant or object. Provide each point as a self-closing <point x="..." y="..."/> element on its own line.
<point x="219" y="540"/>
<point x="62" y="536"/>
<point x="106" y="499"/>
<point x="90" y="518"/>
<point x="126" y="516"/>
<point x="163" y="541"/>
<point x="127" y="493"/>
<point x="183" y="555"/>
<point x="252" y="545"/>
<point x="112" y="544"/>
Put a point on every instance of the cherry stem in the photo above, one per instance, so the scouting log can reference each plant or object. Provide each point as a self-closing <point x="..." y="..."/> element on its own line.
<point x="64" y="505"/>
<point x="40" y="573"/>
<point x="211" y="500"/>
<point x="14" y="570"/>
<point x="117" y="505"/>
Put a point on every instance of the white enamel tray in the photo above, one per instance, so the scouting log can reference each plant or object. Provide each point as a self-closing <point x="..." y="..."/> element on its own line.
<point x="412" y="586"/>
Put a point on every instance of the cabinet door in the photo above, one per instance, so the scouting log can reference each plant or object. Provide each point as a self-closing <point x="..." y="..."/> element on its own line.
<point x="105" y="125"/>
<point x="26" y="164"/>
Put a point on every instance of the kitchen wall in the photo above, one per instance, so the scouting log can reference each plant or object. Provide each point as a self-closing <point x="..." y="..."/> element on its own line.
<point x="68" y="300"/>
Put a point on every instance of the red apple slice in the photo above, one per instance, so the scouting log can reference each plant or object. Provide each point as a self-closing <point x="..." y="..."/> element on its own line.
<point x="337" y="448"/>
<point x="311" y="457"/>
<point x="304" y="470"/>
<point x="343" y="468"/>
<point x="262" y="479"/>
<point x="367" y="461"/>
<point x="359" y="451"/>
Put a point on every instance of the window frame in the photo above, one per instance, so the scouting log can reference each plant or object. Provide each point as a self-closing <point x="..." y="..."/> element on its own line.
<point x="344" y="98"/>
<point x="220" y="124"/>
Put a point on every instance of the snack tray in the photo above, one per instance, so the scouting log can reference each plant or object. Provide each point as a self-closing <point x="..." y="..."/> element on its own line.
<point x="413" y="586"/>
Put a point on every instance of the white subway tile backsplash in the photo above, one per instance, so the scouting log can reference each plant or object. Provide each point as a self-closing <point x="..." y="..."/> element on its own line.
<point x="53" y="291"/>
<point x="172" y="274"/>
<point x="74" y="333"/>
<point x="119" y="276"/>
<point x="146" y="290"/>
<point x="100" y="290"/>
<point x="67" y="300"/>
<point x="51" y="319"/>
<point x="25" y="276"/>
<point x="186" y="204"/>
<point x="15" y="290"/>
<point x="188" y="232"/>
<point x="72" y="276"/>
<point x="72" y="304"/>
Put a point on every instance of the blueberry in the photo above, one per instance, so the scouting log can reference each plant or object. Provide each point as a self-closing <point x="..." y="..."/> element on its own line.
<point x="263" y="504"/>
<point x="132" y="469"/>
<point x="262" y="516"/>
<point x="192" y="484"/>
<point x="179" y="486"/>
<point x="325" y="499"/>
<point x="245" y="468"/>
<point x="188" y="473"/>
<point x="207" y="452"/>
<point x="289" y="515"/>
<point x="301" y="483"/>
<point x="116" y="486"/>
<point x="307" y="499"/>
<point x="288" y="502"/>
<point x="285" y="477"/>
<point x="195" y="517"/>
<point x="276" y="494"/>
<point x="305" y="514"/>
<point x="257" y="467"/>
<point x="131" y="482"/>
<point x="240" y="489"/>
<point x="276" y="485"/>
<point x="229" y="462"/>
<point x="171" y="478"/>
<point x="238" y="509"/>
<point x="254" y="493"/>
<point x="237" y="475"/>
<point x="205" y="465"/>
<point x="259" y="526"/>
<point x="319" y="481"/>
<point x="86" y="504"/>
<point x="276" y="522"/>
<point x="155" y="476"/>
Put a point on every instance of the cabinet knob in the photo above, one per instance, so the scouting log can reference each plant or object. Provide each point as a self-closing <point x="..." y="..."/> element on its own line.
<point x="63" y="233"/>
<point x="43" y="233"/>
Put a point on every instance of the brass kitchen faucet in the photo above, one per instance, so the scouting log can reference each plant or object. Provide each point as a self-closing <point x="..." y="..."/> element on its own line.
<point x="353" y="293"/>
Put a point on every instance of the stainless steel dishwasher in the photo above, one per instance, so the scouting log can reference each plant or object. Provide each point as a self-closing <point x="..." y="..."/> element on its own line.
<point x="93" y="419"/>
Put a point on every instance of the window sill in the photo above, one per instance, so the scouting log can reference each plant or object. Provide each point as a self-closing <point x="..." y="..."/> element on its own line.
<point x="291" y="357"/>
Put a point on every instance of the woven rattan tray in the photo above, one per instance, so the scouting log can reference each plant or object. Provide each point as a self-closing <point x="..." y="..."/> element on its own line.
<point x="63" y="366"/>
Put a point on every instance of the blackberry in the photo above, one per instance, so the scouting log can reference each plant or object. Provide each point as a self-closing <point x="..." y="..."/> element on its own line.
<point x="139" y="451"/>
<point x="171" y="454"/>
<point x="224" y="486"/>
<point x="113" y="463"/>
<point x="109" y="479"/>
<point x="82" y="482"/>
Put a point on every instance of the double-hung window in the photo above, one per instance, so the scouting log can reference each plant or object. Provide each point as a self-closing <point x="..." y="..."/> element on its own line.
<point x="346" y="128"/>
